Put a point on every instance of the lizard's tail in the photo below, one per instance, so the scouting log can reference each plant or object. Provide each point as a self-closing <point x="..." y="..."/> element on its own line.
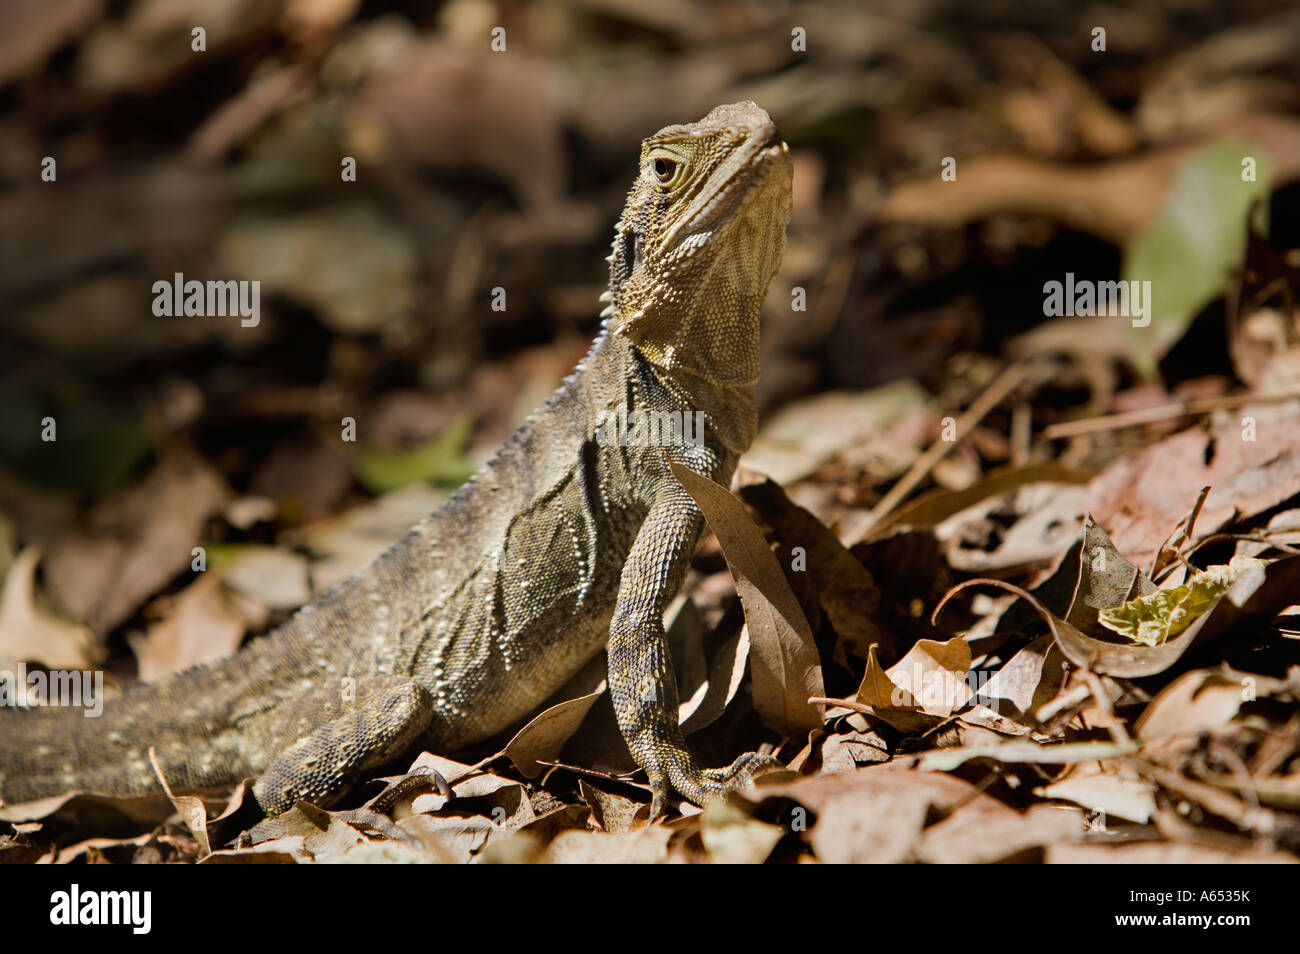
<point x="50" y="751"/>
<point x="102" y="744"/>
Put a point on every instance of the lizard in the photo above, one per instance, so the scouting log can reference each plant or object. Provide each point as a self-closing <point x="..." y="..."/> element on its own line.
<point x="564" y="544"/>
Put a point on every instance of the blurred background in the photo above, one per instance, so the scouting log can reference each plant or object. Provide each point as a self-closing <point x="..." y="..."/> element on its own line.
<point x="1103" y="140"/>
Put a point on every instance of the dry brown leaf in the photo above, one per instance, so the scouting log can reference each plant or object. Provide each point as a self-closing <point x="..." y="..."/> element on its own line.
<point x="725" y="676"/>
<point x="873" y="815"/>
<point x="1115" y="201"/>
<point x="934" y="674"/>
<point x="92" y="845"/>
<point x="984" y="832"/>
<point x="465" y="782"/>
<point x="927" y="685"/>
<point x="1141" y="496"/>
<point x="1018" y="750"/>
<point x="190" y="807"/>
<point x="1120" y="796"/>
<point x="647" y="845"/>
<point x="203" y="624"/>
<point x="613" y="813"/>
<point x="1195" y="702"/>
<point x="732" y="836"/>
<point x="543" y="737"/>
<point x="889" y="701"/>
<point x="844" y="588"/>
<point x="784" y="661"/>
<point x="1026" y="680"/>
<point x="289" y="850"/>
<point x="28" y="633"/>
<point x="137" y="541"/>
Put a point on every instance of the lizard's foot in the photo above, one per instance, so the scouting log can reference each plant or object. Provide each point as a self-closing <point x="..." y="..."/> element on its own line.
<point x="700" y="786"/>
<point x="740" y="773"/>
<point x="343" y="740"/>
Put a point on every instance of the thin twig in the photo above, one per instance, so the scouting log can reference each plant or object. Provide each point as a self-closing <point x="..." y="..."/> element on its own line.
<point x="851" y="704"/>
<point x="1182" y="534"/>
<point x="1102" y="698"/>
<point x="1149" y="415"/>
<point x="993" y="395"/>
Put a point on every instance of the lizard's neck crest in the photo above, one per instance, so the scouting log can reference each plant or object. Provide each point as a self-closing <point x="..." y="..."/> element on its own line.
<point x="697" y="245"/>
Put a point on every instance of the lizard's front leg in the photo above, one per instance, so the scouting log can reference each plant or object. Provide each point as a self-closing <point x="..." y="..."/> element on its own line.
<point x="642" y="684"/>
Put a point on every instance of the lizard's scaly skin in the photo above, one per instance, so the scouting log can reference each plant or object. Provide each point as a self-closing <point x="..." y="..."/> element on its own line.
<point x="562" y="545"/>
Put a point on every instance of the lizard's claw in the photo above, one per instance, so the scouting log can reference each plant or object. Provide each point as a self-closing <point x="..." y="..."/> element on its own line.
<point x="699" y="785"/>
<point x="740" y="773"/>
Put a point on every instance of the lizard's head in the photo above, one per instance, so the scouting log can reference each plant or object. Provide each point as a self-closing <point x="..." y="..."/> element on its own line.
<point x="699" y="241"/>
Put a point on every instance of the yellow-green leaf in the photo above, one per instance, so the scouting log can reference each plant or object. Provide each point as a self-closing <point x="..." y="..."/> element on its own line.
<point x="1152" y="619"/>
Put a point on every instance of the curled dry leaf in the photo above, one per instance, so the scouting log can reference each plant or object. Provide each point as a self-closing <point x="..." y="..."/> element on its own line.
<point x="613" y="813"/>
<point x="924" y="687"/>
<point x="723" y="683"/>
<point x="845" y="589"/>
<point x="1026" y="680"/>
<point x="544" y="736"/>
<point x="191" y="809"/>
<point x="1105" y="577"/>
<point x="1104" y="580"/>
<point x="784" y="660"/>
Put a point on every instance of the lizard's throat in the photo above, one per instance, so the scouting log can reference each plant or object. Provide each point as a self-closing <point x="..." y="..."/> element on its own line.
<point x="706" y="352"/>
<point x="706" y="326"/>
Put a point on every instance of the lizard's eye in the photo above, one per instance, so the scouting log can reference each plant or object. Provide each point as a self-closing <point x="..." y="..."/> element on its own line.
<point x="665" y="170"/>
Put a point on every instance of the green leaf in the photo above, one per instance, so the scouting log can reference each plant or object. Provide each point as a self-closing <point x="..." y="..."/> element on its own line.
<point x="1188" y="252"/>
<point x="439" y="461"/>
